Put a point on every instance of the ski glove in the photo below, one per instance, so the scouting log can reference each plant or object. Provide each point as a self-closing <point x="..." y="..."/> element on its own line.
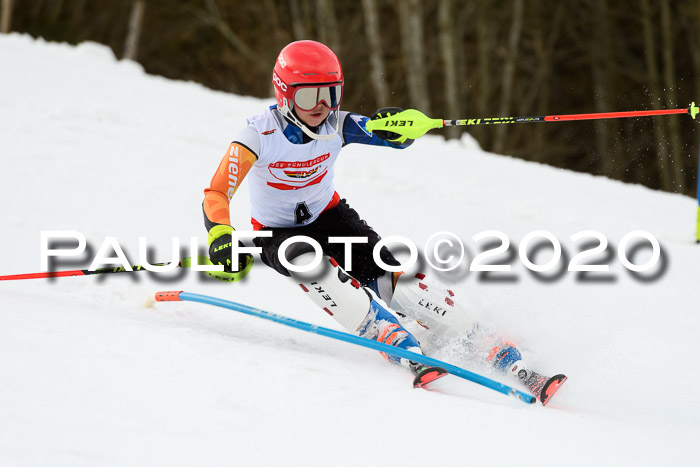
<point x="220" y="242"/>
<point x="389" y="135"/>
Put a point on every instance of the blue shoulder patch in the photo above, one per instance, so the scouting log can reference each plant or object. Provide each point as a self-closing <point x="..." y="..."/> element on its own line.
<point x="294" y="134"/>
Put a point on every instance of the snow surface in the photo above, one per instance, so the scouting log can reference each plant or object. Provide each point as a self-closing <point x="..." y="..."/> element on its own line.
<point x="88" y="376"/>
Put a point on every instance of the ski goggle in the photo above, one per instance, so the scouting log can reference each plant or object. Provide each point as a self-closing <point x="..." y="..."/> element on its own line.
<point x="308" y="97"/>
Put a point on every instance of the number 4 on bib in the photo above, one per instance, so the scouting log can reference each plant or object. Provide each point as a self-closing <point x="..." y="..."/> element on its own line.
<point x="301" y="213"/>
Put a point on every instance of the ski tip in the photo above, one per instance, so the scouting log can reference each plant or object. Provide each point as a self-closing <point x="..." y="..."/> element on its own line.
<point x="551" y="387"/>
<point x="427" y="376"/>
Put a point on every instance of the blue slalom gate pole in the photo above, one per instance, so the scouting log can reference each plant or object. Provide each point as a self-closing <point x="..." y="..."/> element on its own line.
<point x="697" y="219"/>
<point x="346" y="337"/>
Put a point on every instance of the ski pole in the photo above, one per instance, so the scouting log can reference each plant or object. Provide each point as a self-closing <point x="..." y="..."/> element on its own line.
<point x="172" y="296"/>
<point x="414" y="124"/>
<point x="184" y="263"/>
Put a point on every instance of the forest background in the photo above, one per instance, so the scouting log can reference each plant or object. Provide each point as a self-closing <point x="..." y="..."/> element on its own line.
<point x="451" y="59"/>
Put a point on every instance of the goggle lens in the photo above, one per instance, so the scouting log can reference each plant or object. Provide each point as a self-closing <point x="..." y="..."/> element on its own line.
<point x="308" y="98"/>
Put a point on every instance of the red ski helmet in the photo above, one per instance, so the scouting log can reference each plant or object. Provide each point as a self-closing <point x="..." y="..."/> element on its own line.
<point x="305" y="74"/>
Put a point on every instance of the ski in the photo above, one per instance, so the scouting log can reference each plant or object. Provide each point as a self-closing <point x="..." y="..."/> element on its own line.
<point x="427" y="375"/>
<point x="550" y="388"/>
<point x="542" y="387"/>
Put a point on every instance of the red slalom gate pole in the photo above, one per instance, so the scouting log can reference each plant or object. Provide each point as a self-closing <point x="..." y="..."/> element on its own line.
<point x="75" y="272"/>
<point x="602" y="115"/>
<point x="184" y="263"/>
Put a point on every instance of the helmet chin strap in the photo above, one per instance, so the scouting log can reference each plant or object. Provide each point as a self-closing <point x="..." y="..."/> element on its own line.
<point x="291" y="116"/>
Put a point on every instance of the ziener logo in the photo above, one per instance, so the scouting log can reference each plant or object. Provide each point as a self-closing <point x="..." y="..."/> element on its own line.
<point x="232" y="171"/>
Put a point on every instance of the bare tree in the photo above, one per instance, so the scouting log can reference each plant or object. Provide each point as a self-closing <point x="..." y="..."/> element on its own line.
<point x="298" y="20"/>
<point x="669" y="76"/>
<point x="464" y="22"/>
<point x="448" y="52"/>
<point x="509" y="71"/>
<point x="547" y="24"/>
<point x="654" y="82"/>
<point x="602" y="61"/>
<point x="131" y="47"/>
<point x="381" y="92"/>
<point x="411" y="20"/>
<point x="690" y="20"/>
<point x="272" y="14"/>
<point x="486" y="30"/>
<point x="212" y="16"/>
<point x="694" y="36"/>
<point x="327" y="25"/>
<point x="6" y="16"/>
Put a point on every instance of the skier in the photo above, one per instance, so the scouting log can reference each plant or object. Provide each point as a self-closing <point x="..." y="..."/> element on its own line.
<point x="288" y="154"/>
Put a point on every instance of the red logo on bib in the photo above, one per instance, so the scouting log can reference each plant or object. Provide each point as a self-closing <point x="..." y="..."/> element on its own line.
<point x="299" y="174"/>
